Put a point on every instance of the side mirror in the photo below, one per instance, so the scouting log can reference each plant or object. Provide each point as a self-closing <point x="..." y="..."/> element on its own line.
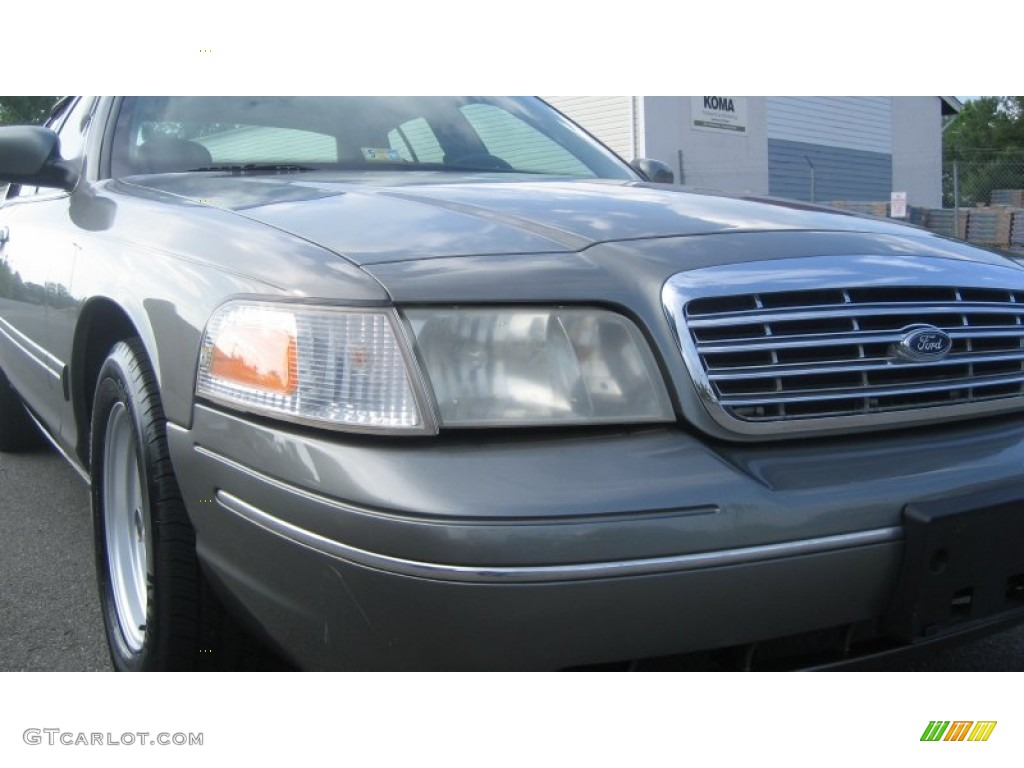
<point x="653" y="170"/>
<point x="31" y="155"/>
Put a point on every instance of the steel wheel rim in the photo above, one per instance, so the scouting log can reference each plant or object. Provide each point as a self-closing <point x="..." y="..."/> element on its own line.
<point x="124" y="521"/>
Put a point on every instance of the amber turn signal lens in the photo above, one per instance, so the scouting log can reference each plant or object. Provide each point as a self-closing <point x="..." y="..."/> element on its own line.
<point x="256" y="357"/>
<point x="336" y="367"/>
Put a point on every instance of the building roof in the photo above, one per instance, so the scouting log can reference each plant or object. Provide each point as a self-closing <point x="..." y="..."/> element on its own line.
<point x="951" y="105"/>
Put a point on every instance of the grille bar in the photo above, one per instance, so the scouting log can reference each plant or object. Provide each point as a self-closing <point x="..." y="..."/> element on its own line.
<point x="863" y="364"/>
<point x="876" y="392"/>
<point x="851" y="311"/>
<point x="768" y="343"/>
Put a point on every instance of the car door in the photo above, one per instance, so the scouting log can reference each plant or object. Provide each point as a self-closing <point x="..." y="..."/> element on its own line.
<point x="37" y="257"/>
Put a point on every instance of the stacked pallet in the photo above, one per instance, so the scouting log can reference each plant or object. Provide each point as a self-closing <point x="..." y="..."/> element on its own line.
<point x="917" y="215"/>
<point x="1011" y="197"/>
<point x="989" y="226"/>
<point x="940" y="221"/>
<point x="862" y="206"/>
<point x="1017" y="231"/>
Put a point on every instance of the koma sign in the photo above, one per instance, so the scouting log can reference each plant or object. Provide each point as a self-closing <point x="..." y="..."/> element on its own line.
<point x="719" y="113"/>
<point x="719" y="104"/>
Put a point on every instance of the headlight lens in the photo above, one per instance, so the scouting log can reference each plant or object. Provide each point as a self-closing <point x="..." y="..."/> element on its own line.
<point x="324" y="366"/>
<point x="524" y="367"/>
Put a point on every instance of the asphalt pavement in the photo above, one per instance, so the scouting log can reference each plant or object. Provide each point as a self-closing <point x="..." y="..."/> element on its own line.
<point x="49" y="610"/>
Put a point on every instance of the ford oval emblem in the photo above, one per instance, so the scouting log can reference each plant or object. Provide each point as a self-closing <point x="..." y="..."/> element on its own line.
<point x="923" y="344"/>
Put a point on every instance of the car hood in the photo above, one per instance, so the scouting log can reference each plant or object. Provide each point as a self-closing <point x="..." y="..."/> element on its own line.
<point x="381" y="217"/>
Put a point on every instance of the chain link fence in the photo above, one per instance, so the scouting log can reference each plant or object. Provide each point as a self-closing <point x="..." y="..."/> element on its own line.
<point x="984" y="178"/>
<point x="982" y="196"/>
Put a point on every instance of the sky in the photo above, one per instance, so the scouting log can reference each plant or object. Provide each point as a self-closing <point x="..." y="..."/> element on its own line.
<point x="644" y="48"/>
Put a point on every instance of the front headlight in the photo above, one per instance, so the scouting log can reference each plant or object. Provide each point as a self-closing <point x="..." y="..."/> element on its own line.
<point x="340" y="368"/>
<point x="534" y="367"/>
<point x="348" y="368"/>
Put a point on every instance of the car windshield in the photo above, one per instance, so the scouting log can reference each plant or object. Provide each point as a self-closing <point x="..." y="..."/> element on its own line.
<point x="256" y="134"/>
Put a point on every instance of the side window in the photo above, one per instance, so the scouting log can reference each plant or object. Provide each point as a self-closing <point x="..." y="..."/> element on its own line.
<point x="415" y="141"/>
<point x="72" y="132"/>
<point x="520" y="144"/>
<point x="58" y="113"/>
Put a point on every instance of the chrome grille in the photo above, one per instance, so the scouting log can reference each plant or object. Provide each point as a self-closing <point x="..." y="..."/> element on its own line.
<point x="806" y="354"/>
<point x="824" y="357"/>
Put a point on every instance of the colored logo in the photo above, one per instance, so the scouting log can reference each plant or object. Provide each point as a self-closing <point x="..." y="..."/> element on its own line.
<point x="959" y="730"/>
<point x="923" y="343"/>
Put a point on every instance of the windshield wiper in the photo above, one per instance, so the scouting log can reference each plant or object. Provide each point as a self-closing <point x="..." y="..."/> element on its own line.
<point x="255" y="168"/>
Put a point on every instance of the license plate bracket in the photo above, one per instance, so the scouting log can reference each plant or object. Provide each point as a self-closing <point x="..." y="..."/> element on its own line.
<point x="963" y="562"/>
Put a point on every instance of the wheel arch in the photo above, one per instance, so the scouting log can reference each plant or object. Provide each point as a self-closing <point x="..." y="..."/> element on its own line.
<point x="102" y="323"/>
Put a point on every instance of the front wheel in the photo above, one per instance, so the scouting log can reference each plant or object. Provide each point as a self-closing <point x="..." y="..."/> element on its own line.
<point x="149" y="579"/>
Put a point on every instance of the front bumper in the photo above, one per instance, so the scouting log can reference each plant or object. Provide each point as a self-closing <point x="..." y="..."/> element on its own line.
<point x="543" y="551"/>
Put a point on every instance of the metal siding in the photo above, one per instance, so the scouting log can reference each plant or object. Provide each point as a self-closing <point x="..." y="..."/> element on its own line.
<point x="609" y="118"/>
<point x="853" y="122"/>
<point x="917" y="149"/>
<point x="840" y="174"/>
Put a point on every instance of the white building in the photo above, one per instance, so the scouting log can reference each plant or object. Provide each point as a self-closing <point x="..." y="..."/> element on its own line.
<point x="817" y="149"/>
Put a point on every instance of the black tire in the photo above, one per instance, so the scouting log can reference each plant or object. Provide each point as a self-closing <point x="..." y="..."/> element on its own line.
<point x="17" y="431"/>
<point x="143" y="531"/>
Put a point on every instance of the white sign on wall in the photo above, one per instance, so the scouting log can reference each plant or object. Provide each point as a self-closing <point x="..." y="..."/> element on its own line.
<point x="898" y="205"/>
<point x="719" y="113"/>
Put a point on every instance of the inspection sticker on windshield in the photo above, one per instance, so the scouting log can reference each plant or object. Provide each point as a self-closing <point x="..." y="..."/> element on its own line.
<point x="385" y="155"/>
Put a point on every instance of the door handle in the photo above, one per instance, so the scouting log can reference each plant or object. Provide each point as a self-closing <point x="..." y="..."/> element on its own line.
<point x="5" y="234"/>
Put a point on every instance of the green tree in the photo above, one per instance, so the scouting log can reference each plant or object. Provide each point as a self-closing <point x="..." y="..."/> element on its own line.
<point x="25" y="110"/>
<point x="986" y="142"/>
